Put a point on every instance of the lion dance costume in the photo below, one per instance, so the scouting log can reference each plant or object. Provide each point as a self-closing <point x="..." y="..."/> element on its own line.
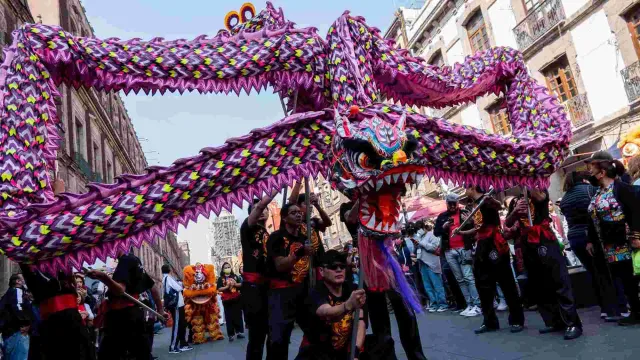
<point x="200" y="305"/>
<point x="337" y="127"/>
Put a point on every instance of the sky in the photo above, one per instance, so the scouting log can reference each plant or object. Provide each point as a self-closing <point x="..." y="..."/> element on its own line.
<point x="174" y="126"/>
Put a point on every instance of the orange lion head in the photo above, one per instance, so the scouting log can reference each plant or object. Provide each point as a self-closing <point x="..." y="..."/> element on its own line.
<point x="199" y="283"/>
<point x="629" y="145"/>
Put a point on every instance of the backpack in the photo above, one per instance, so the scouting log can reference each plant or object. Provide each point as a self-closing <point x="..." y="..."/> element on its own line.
<point x="170" y="297"/>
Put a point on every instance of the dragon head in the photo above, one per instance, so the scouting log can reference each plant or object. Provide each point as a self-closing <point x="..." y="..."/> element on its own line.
<point x="373" y="163"/>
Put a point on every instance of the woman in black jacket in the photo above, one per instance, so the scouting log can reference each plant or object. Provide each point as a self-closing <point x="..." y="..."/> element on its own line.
<point x="575" y="208"/>
<point x="614" y="208"/>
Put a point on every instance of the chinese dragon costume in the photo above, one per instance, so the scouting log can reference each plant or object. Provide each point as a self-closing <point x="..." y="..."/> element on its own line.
<point x="200" y="305"/>
<point x="337" y="127"/>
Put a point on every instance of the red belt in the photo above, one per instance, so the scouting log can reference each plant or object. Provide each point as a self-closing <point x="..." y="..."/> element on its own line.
<point x="58" y="303"/>
<point x="280" y="284"/>
<point x="536" y="233"/>
<point x="121" y="303"/>
<point x="254" y="278"/>
<point x="493" y="232"/>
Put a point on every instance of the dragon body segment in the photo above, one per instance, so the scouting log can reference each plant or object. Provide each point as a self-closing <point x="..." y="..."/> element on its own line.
<point x="369" y="150"/>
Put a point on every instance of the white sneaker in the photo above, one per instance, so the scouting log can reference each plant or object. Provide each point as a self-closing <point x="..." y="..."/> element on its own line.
<point x="475" y="311"/>
<point x="466" y="311"/>
<point x="432" y="309"/>
<point x="502" y="306"/>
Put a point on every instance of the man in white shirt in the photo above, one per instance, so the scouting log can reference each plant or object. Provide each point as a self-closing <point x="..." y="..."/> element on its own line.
<point x="431" y="269"/>
<point x="179" y="329"/>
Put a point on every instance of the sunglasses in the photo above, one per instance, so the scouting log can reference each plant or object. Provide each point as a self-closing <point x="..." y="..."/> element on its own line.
<point x="336" y="267"/>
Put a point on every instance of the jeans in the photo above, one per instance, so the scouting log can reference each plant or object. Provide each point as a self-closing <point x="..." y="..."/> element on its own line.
<point x="16" y="346"/>
<point x="463" y="272"/>
<point x="433" y="286"/>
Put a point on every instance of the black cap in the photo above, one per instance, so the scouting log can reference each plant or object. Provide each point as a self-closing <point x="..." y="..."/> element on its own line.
<point x="599" y="156"/>
<point x="334" y="256"/>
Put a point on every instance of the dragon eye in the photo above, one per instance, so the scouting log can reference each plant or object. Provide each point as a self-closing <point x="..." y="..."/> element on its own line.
<point x="363" y="161"/>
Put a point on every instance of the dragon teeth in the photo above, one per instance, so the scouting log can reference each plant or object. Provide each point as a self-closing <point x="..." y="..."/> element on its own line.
<point x="379" y="227"/>
<point x="419" y="178"/>
<point x="370" y="183"/>
<point x="372" y="221"/>
<point x="404" y="177"/>
<point x="379" y="184"/>
<point x="387" y="179"/>
<point x="365" y="211"/>
<point x="396" y="177"/>
<point x="386" y="227"/>
<point x="393" y="227"/>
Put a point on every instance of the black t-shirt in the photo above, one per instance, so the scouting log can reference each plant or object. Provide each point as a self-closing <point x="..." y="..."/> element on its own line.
<point x="281" y="243"/>
<point x="44" y="286"/>
<point x="254" y="247"/>
<point x="351" y="227"/>
<point x="335" y="334"/>
<point x="131" y="273"/>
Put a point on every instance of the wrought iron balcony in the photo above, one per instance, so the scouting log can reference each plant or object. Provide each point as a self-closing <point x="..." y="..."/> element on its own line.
<point x="578" y="110"/>
<point x="85" y="169"/>
<point x="631" y="79"/>
<point x="539" y="20"/>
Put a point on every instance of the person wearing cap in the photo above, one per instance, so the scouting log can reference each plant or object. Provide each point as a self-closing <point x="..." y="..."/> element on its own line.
<point x="431" y="269"/>
<point x="332" y="305"/>
<point x="546" y="267"/>
<point x="615" y="211"/>
<point x="288" y="267"/>
<point x="492" y="263"/>
<point x="457" y="249"/>
<point x="253" y="237"/>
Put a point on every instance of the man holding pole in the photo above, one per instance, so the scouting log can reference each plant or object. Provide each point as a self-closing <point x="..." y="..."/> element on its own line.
<point x="545" y="265"/>
<point x="124" y="328"/>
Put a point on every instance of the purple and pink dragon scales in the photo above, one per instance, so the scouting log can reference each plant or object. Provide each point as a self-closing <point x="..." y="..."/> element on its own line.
<point x="354" y="65"/>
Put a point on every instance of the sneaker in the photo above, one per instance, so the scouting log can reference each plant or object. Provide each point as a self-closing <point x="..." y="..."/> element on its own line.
<point x="502" y="306"/>
<point x="174" y="351"/>
<point x="186" y="348"/>
<point x="232" y="338"/>
<point x="475" y="311"/>
<point x="466" y="311"/>
<point x="432" y="309"/>
<point x="240" y="335"/>
<point x="603" y="315"/>
<point x="442" y="309"/>
<point x="633" y="319"/>
<point x="626" y="314"/>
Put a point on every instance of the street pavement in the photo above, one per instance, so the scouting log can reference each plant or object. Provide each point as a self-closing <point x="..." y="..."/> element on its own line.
<point x="450" y="336"/>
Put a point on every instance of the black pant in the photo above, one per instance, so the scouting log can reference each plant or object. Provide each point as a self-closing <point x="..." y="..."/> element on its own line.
<point x="286" y="306"/>
<point x="256" y="315"/>
<point x="487" y="272"/>
<point x="233" y="316"/>
<point x="62" y="336"/>
<point x="407" y="324"/>
<point x="548" y="275"/>
<point x="124" y="335"/>
<point x="179" y="329"/>
<point x="623" y="270"/>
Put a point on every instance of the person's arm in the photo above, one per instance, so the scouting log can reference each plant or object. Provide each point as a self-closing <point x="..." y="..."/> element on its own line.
<point x="351" y="216"/>
<point x="157" y="299"/>
<point x="438" y="228"/>
<point x="430" y="243"/>
<point x="538" y="195"/>
<point x="285" y="263"/>
<point x="220" y="287"/>
<point x="295" y="192"/>
<point x="325" y="220"/>
<point x="362" y="331"/>
<point x="330" y="313"/>
<point x="236" y="282"/>
<point x="90" y="315"/>
<point x="258" y="209"/>
<point x="493" y="203"/>
<point x="117" y="288"/>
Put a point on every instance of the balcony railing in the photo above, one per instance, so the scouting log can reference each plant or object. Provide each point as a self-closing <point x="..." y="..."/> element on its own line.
<point x="631" y="79"/>
<point x="578" y="110"/>
<point x="539" y="20"/>
<point x="85" y="169"/>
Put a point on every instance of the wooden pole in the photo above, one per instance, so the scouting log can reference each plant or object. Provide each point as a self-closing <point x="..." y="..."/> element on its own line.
<point x="307" y="201"/>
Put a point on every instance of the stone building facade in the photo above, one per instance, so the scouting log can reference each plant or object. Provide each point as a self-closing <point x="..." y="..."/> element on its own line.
<point x="585" y="51"/>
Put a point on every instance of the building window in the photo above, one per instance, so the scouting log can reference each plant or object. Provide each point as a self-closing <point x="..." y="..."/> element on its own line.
<point x="499" y="120"/>
<point x="437" y="59"/>
<point x="109" y="174"/>
<point x="80" y="139"/>
<point x="530" y="4"/>
<point x="96" y="158"/>
<point x="478" y="33"/>
<point x="633" y="22"/>
<point x="560" y="79"/>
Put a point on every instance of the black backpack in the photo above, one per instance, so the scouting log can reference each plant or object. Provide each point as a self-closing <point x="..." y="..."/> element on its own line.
<point x="170" y="297"/>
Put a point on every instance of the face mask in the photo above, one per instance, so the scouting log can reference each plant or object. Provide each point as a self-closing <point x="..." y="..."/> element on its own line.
<point x="227" y="271"/>
<point x="593" y="180"/>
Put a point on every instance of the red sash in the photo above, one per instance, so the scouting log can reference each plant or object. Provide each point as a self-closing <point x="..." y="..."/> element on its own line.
<point x="119" y="303"/>
<point x="228" y="295"/>
<point x="537" y="232"/>
<point x="57" y="304"/>
<point x="493" y="232"/>
<point x="280" y="284"/>
<point x="255" y="278"/>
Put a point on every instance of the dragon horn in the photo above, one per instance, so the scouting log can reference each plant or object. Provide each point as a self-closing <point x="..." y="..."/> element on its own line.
<point x="342" y="124"/>
<point x="401" y="123"/>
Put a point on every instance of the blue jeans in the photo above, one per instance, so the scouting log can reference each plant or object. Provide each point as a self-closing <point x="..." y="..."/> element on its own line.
<point x="433" y="286"/>
<point x="16" y="346"/>
<point x="463" y="271"/>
